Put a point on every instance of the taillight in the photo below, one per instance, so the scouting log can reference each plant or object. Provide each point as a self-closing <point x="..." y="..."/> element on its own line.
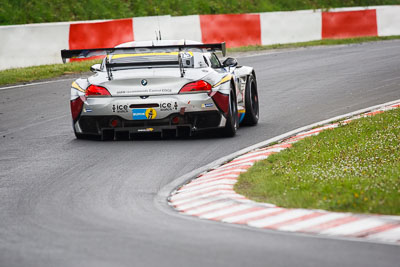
<point x="95" y="90"/>
<point x="76" y="108"/>
<point x="222" y="101"/>
<point x="196" y="87"/>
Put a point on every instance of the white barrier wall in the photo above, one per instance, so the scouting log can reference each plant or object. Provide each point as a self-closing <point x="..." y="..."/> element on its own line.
<point x="290" y="27"/>
<point x="388" y="19"/>
<point x="186" y="27"/>
<point x="145" y="28"/>
<point x="31" y="45"/>
<point x="38" y="44"/>
<point x="172" y="28"/>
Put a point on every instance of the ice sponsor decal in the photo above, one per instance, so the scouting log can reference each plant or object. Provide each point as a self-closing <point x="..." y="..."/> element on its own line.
<point x="120" y="108"/>
<point x="207" y="105"/>
<point x="144" y="113"/>
<point x="168" y="106"/>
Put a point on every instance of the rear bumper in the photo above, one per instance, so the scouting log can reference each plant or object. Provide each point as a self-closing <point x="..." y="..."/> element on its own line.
<point x="175" y="124"/>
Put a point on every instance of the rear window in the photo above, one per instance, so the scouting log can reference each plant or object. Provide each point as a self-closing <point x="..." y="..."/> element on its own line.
<point x="154" y="59"/>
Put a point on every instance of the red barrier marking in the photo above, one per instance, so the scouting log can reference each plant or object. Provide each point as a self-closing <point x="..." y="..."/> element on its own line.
<point x="375" y="230"/>
<point x="100" y="34"/>
<point x="374" y="113"/>
<point x="234" y="29"/>
<point x="348" y="24"/>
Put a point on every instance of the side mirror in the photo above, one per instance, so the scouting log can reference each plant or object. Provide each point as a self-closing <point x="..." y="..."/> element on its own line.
<point x="230" y="62"/>
<point x="95" y="68"/>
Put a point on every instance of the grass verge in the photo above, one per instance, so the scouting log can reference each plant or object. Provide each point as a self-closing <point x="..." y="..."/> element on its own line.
<point x="354" y="168"/>
<point x="29" y="74"/>
<point x="33" y="11"/>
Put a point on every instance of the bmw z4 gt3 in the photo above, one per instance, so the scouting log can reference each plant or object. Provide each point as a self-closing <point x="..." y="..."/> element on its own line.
<point x="166" y="87"/>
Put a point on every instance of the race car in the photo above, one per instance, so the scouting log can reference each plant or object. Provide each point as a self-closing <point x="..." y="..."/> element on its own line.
<point x="167" y="87"/>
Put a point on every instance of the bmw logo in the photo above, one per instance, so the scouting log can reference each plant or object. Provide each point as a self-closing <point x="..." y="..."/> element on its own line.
<point x="144" y="82"/>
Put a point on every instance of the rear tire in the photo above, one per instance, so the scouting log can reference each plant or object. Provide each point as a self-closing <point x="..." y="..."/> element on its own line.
<point x="232" y="120"/>
<point x="251" y="102"/>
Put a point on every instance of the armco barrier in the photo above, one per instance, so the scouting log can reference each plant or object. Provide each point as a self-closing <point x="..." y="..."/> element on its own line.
<point x="37" y="44"/>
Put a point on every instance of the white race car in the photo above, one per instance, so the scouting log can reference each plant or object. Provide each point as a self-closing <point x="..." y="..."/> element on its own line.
<point x="171" y="88"/>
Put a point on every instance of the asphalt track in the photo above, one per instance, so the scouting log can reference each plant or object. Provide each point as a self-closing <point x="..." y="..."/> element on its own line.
<point x="68" y="202"/>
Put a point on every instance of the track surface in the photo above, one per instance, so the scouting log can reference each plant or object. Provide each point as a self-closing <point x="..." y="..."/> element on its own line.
<point x="67" y="202"/>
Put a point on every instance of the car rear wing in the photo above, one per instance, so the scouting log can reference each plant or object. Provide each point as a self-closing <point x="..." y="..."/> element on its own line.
<point x="86" y="53"/>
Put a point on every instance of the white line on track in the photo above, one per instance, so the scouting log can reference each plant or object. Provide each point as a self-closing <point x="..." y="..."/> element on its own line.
<point x="32" y="84"/>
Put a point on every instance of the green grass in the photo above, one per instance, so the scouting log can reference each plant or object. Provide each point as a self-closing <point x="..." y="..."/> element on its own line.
<point x="30" y="74"/>
<point x="34" y="11"/>
<point x="353" y="168"/>
<point x="313" y="43"/>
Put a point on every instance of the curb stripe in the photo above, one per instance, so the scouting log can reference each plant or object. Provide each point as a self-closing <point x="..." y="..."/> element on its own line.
<point x="375" y="230"/>
<point x="358" y="225"/>
<point x="299" y="219"/>
<point x="331" y="224"/>
<point x="211" y="196"/>
<point x="273" y="212"/>
<point x="287" y="215"/>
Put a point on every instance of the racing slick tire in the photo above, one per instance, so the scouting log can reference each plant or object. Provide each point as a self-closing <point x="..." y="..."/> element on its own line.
<point x="251" y="102"/>
<point x="232" y="120"/>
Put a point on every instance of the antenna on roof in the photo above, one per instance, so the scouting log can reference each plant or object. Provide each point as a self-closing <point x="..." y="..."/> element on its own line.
<point x="158" y="37"/>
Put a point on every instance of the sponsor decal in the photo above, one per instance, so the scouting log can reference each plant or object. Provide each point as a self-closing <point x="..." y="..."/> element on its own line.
<point x="120" y="108"/>
<point x="139" y="114"/>
<point x="207" y="105"/>
<point x="129" y="92"/>
<point x="151" y="113"/>
<point x="168" y="106"/>
<point x="144" y="113"/>
<point x="87" y="110"/>
<point x="146" y="130"/>
<point x="186" y="55"/>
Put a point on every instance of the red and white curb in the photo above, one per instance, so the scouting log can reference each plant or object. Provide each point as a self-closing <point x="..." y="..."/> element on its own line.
<point x="211" y="196"/>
